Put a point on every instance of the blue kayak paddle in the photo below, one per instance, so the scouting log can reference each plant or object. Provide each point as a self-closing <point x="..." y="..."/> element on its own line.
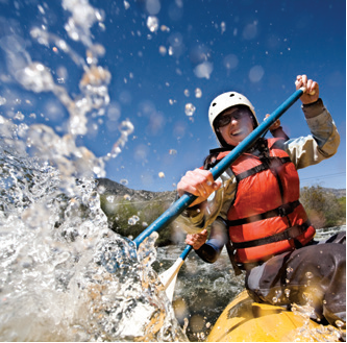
<point x="183" y="202"/>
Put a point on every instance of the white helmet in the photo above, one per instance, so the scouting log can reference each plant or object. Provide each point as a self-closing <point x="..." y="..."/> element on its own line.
<point x="225" y="101"/>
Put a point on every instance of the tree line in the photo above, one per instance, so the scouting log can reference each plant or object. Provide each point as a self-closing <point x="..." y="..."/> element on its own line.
<point x="323" y="208"/>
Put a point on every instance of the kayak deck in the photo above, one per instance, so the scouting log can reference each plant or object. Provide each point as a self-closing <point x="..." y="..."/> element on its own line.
<point x="246" y="321"/>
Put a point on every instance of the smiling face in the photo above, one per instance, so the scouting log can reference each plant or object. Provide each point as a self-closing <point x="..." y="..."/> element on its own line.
<point x="239" y="127"/>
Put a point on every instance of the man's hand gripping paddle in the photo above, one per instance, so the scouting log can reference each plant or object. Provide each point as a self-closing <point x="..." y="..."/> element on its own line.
<point x="168" y="278"/>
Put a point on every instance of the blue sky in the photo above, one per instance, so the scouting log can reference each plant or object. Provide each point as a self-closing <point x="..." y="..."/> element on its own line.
<point x="209" y="47"/>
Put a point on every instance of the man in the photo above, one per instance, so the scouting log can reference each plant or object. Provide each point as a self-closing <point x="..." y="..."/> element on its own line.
<point x="254" y="208"/>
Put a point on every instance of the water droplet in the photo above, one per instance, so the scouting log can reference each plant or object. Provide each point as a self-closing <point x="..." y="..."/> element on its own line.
<point x="164" y="28"/>
<point x="339" y="324"/>
<point x="189" y="109"/>
<point x="256" y="73"/>
<point x="287" y="292"/>
<point x="161" y="175"/>
<point x="19" y="116"/>
<point x="203" y="70"/>
<point x="110" y="198"/>
<point x="126" y="5"/>
<point x="126" y="127"/>
<point x="186" y="92"/>
<point x="309" y="275"/>
<point x="127" y="197"/>
<point x="153" y="6"/>
<point x="306" y="296"/>
<point x="162" y="50"/>
<point x="131" y="221"/>
<point x="2" y="101"/>
<point x="172" y="152"/>
<point x="136" y="218"/>
<point x="198" y="93"/>
<point x="250" y="31"/>
<point x="152" y="23"/>
<point x="223" y="27"/>
<point x="124" y="182"/>
<point x="230" y="61"/>
<point x="41" y="9"/>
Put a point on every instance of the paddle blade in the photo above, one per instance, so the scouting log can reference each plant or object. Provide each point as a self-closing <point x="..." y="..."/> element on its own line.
<point x="169" y="277"/>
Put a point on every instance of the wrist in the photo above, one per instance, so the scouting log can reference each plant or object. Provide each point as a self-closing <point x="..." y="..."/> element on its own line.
<point x="313" y="109"/>
<point x="310" y="103"/>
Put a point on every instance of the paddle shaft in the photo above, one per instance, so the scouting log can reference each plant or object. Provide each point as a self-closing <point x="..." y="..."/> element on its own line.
<point x="187" y="199"/>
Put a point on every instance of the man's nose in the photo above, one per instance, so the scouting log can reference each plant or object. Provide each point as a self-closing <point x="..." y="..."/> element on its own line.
<point x="233" y="121"/>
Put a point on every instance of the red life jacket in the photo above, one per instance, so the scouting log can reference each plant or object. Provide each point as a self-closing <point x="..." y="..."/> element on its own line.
<point x="266" y="217"/>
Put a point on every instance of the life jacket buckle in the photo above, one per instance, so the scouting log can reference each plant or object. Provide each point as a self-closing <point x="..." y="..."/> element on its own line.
<point x="286" y="209"/>
<point x="282" y="211"/>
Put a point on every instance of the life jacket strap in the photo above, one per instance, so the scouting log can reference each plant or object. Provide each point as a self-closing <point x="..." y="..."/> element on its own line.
<point x="280" y="211"/>
<point x="261" y="167"/>
<point x="290" y="233"/>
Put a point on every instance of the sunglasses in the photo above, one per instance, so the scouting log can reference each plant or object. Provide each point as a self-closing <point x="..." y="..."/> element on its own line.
<point x="223" y="120"/>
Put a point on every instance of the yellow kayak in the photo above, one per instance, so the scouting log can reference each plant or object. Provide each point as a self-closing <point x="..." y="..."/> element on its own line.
<point x="246" y="321"/>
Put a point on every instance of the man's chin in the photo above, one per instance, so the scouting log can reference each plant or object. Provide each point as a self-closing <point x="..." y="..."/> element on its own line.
<point x="236" y="140"/>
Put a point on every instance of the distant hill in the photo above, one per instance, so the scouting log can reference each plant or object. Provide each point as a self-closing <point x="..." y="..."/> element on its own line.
<point x="338" y="193"/>
<point x="109" y="187"/>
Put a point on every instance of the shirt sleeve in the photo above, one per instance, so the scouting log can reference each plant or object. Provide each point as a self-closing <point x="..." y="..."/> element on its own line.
<point x="201" y="216"/>
<point x="210" y="251"/>
<point x="321" y="144"/>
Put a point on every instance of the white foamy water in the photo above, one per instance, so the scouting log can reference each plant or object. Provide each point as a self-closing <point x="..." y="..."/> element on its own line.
<point x="64" y="275"/>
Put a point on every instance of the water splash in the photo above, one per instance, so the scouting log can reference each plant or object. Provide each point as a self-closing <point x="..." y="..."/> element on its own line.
<point x="64" y="275"/>
<point x="83" y="18"/>
<point x="307" y="332"/>
<point x="125" y="128"/>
